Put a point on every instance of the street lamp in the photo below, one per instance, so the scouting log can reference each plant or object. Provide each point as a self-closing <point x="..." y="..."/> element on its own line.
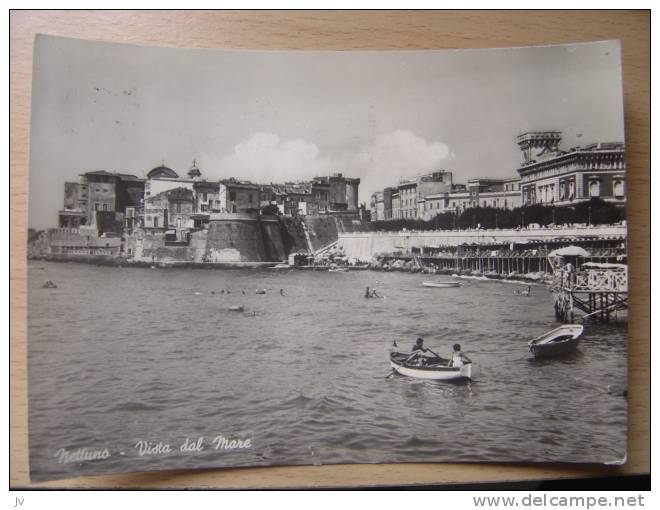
<point x="589" y="215"/>
<point x="523" y="219"/>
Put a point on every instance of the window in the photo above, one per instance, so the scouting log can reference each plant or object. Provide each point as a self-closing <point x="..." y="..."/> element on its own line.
<point x="155" y="221"/>
<point x="203" y="207"/>
<point x="618" y="188"/>
<point x="250" y="198"/>
<point x="594" y="188"/>
<point x="178" y="207"/>
<point x="96" y="206"/>
<point x="105" y="207"/>
<point x="204" y="196"/>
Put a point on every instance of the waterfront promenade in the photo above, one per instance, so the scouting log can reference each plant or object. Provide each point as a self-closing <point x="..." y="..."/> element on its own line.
<point x="365" y="245"/>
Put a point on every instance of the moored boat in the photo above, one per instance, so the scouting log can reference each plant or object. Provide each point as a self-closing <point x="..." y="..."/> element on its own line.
<point x="338" y="270"/>
<point x="441" y="285"/>
<point x="435" y="369"/>
<point x="559" y="341"/>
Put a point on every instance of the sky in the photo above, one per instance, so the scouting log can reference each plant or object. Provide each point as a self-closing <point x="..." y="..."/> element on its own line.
<point x="270" y="116"/>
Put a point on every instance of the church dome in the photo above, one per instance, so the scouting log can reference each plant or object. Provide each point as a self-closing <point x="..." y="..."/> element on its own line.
<point x="162" y="171"/>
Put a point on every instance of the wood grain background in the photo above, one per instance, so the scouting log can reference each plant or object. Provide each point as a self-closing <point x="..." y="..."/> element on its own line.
<point x="341" y="30"/>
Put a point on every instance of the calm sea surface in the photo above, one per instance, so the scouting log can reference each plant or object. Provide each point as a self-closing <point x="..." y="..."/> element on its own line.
<point x="122" y="355"/>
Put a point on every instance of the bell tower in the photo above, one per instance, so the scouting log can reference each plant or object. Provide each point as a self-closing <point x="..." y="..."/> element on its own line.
<point x="194" y="172"/>
<point x="535" y="144"/>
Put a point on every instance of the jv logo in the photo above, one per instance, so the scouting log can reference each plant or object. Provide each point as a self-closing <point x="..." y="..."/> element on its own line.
<point x="19" y="502"/>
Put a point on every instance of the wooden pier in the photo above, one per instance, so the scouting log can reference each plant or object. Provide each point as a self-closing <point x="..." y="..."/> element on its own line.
<point x="594" y="291"/>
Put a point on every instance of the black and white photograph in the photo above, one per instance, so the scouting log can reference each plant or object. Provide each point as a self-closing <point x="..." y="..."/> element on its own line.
<point x="259" y="258"/>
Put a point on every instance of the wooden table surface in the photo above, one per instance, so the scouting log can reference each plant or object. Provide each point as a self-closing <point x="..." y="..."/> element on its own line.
<point x="340" y="30"/>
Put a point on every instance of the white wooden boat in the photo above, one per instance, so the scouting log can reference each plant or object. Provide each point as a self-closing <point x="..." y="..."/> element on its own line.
<point x="559" y="341"/>
<point x="441" y="285"/>
<point x="435" y="369"/>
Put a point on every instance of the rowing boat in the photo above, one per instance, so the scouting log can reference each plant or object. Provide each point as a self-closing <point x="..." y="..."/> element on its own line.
<point x="559" y="341"/>
<point x="441" y="285"/>
<point x="435" y="369"/>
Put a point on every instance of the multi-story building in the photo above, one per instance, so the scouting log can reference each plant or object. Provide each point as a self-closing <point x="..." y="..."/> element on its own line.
<point x="238" y="196"/>
<point x="437" y="193"/>
<point x="169" y="211"/>
<point x="110" y="202"/>
<point x="552" y="176"/>
<point x="100" y="192"/>
<point x="336" y="193"/>
<point x="321" y="195"/>
<point x="497" y="193"/>
<point x="408" y="199"/>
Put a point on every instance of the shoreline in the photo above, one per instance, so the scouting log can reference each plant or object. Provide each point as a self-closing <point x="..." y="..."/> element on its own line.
<point x="115" y="262"/>
<point x="520" y="279"/>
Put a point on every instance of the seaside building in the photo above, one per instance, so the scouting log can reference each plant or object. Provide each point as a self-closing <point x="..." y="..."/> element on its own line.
<point x="100" y="198"/>
<point x="563" y="178"/>
<point x="173" y="207"/>
<point x="547" y="176"/>
<point x="238" y="196"/>
<point x="322" y="195"/>
<point x="407" y="200"/>
<point x="336" y="193"/>
<point x="170" y="212"/>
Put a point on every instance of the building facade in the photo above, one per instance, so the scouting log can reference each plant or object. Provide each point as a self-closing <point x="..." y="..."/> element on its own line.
<point x="550" y="176"/>
<point x="100" y="195"/>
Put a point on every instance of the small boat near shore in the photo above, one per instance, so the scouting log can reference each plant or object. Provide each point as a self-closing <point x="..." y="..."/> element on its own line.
<point x="441" y="285"/>
<point x="561" y="340"/>
<point x="338" y="270"/>
<point x="434" y="369"/>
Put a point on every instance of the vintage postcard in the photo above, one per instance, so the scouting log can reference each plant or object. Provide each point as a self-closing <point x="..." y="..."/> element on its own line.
<point x="251" y="258"/>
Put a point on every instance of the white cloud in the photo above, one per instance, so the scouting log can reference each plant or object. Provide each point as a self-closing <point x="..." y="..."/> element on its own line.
<point x="265" y="157"/>
<point x="396" y="155"/>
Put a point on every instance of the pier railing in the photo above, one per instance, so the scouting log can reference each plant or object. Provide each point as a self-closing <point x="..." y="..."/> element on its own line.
<point x="592" y="280"/>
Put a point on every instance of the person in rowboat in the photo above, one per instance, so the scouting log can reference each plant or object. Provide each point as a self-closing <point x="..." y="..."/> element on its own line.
<point x="458" y="359"/>
<point x="417" y="352"/>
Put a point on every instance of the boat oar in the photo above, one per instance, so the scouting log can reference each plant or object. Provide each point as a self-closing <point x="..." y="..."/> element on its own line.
<point x="396" y="370"/>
